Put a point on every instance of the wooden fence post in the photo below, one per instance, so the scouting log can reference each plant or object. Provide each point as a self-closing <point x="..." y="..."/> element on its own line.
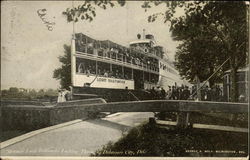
<point x="183" y="119"/>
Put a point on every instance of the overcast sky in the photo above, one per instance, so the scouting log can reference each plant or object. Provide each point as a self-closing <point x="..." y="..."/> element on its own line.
<point x="29" y="51"/>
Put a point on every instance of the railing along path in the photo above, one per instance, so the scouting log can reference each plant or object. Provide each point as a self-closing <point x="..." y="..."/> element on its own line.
<point x="82" y="109"/>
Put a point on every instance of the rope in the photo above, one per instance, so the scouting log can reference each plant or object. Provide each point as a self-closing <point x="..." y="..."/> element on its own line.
<point x="93" y="79"/>
<point x="134" y="96"/>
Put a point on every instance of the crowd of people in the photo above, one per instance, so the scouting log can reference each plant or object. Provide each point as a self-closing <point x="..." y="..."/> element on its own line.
<point x="113" y="74"/>
<point x="108" y="49"/>
<point x="178" y="93"/>
<point x="187" y="93"/>
<point x="211" y="94"/>
<point x="104" y="70"/>
<point x="173" y="93"/>
<point x="90" y="67"/>
<point x="86" y="69"/>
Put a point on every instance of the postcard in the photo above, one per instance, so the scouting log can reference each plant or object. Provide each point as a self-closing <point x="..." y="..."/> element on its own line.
<point x="124" y="79"/>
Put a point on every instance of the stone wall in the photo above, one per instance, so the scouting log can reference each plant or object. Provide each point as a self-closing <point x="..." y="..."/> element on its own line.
<point x="31" y="116"/>
<point x="20" y="117"/>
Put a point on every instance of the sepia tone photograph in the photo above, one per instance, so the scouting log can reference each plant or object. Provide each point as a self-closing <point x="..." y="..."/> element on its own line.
<point x="117" y="79"/>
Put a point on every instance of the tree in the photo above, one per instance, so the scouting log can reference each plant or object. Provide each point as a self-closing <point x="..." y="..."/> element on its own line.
<point x="64" y="72"/>
<point x="211" y="32"/>
<point x="51" y="92"/>
<point x="13" y="90"/>
<point x="191" y="61"/>
<point x="223" y="28"/>
<point x="230" y="27"/>
<point x="200" y="53"/>
<point x="87" y="10"/>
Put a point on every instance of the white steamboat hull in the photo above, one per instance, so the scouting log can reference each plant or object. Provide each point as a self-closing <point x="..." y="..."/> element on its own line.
<point x="168" y="76"/>
<point x="102" y="82"/>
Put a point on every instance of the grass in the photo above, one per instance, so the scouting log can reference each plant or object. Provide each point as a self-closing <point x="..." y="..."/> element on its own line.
<point x="150" y="140"/>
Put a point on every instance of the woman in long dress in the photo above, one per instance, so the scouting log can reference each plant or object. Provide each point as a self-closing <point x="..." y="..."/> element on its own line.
<point x="61" y="96"/>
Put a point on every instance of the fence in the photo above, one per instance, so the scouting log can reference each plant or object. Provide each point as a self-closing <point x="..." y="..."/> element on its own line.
<point x="30" y="116"/>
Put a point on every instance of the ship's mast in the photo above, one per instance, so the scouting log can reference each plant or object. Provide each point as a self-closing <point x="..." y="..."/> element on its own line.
<point x="73" y="58"/>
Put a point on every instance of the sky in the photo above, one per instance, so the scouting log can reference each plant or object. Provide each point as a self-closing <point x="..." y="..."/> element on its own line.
<point x="29" y="51"/>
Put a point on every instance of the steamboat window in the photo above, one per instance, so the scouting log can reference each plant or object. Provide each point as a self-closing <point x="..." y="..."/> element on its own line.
<point x="85" y="66"/>
<point x="127" y="73"/>
<point x="117" y="71"/>
<point x="146" y="76"/>
<point x="154" y="78"/>
<point x="103" y="69"/>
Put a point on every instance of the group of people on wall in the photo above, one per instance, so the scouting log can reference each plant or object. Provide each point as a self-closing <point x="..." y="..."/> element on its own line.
<point x="64" y="95"/>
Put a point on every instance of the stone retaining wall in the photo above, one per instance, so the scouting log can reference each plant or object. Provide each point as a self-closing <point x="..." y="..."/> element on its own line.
<point x="27" y="116"/>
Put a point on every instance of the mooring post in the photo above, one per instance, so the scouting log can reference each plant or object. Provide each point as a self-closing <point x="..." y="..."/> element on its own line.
<point x="183" y="119"/>
<point x="151" y="121"/>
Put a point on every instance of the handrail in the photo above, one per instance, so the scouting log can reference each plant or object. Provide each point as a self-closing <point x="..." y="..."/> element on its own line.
<point x="116" y="61"/>
<point x="101" y="76"/>
<point x="134" y="96"/>
<point x="169" y="106"/>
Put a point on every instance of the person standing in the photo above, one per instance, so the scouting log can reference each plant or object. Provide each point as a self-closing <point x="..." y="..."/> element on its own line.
<point x="173" y="93"/>
<point x="163" y="93"/>
<point x="60" y="96"/>
<point x="153" y="93"/>
<point x="177" y="93"/>
<point x="169" y="93"/>
<point x="69" y="94"/>
<point x="158" y="92"/>
<point x="186" y="93"/>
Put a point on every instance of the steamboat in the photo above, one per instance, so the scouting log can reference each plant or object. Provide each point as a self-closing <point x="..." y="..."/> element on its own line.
<point x="102" y="68"/>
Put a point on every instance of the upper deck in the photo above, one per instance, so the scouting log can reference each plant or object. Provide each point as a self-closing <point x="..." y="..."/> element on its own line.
<point x="118" y="61"/>
<point x="110" y="52"/>
<point x="147" y="45"/>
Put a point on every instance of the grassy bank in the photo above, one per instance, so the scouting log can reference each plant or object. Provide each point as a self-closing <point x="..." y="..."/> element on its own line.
<point x="151" y="140"/>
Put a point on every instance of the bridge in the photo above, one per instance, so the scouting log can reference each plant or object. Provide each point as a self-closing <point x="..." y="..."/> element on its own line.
<point x="75" y="116"/>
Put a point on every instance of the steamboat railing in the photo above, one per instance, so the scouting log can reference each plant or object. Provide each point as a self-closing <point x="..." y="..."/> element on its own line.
<point x="120" y="62"/>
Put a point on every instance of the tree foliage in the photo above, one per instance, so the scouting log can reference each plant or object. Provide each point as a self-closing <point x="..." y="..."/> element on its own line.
<point x="201" y="51"/>
<point x="211" y="33"/>
<point x="87" y="10"/>
<point x="64" y="72"/>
